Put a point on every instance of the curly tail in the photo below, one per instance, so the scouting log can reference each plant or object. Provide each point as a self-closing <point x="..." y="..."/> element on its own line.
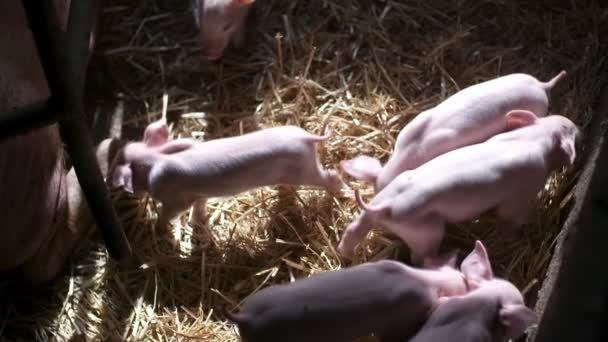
<point x="364" y="205"/>
<point x="552" y="82"/>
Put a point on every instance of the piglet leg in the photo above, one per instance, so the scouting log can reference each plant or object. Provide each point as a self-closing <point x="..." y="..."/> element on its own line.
<point x="315" y="174"/>
<point x="171" y="209"/>
<point x="199" y="212"/>
<point x="423" y="237"/>
<point x="328" y="179"/>
<point x="354" y="233"/>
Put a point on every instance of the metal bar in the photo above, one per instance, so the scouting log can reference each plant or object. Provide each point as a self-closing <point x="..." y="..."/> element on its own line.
<point x="25" y="119"/>
<point x="65" y="70"/>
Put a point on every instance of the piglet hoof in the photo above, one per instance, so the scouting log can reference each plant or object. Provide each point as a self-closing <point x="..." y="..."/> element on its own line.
<point x="346" y="253"/>
<point x="334" y="182"/>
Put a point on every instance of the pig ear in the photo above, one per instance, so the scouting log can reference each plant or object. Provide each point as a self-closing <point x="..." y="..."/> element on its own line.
<point x="157" y="133"/>
<point x="520" y="118"/>
<point x="447" y="259"/>
<point x="516" y="318"/>
<point x="566" y="148"/>
<point x="362" y="167"/>
<point x="122" y="177"/>
<point x="476" y="266"/>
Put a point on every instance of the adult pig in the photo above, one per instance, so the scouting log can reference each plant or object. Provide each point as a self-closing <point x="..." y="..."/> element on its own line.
<point x="505" y="172"/>
<point x="220" y="22"/>
<point x="42" y="211"/>
<point x="180" y="172"/>
<point x="470" y="116"/>
<point x="386" y="298"/>
<point x="493" y="311"/>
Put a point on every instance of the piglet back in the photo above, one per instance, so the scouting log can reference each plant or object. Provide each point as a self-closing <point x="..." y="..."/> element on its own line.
<point x="380" y="297"/>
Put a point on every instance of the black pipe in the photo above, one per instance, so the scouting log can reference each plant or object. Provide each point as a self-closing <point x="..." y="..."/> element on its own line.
<point x="26" y="119"/>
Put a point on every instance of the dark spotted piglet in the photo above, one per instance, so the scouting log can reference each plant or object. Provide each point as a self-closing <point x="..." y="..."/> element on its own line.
<point x="386" y="297"/>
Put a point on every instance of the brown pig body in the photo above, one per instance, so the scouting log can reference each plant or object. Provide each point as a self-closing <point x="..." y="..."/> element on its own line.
<point x="43" y="214"/>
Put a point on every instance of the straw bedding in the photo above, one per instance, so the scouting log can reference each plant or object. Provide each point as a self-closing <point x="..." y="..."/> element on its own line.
<point x="369" y="67"/>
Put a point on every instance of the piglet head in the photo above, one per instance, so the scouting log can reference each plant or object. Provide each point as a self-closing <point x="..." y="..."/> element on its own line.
<point x="219" y="21"/>
<point x="566" y="136"/>
<point x="362" y="167"/>
<point x="121" y="170"/>
<point x="476" y="267"/>
<point x="156" y="133"/>
<point x="120" y="173"/>
<point x="514" y="317"/>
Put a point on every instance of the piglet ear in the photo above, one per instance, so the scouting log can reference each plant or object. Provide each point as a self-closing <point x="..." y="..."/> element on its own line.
<point x="122" y="177"/>
<point x="516" y="318"/>
<point x="476" y="266"/>
<point x="447" y="259"/>
<point x="567" y="148"/>
<point x="362" y="167"/>
<point x="157" y="133"/>
<point x="520" y="118"/>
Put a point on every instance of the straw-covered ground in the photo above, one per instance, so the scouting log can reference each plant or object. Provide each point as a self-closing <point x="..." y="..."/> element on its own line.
<point x="368" y="66"/>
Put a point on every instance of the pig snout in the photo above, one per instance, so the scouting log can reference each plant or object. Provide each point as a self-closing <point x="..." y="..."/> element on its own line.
<point x="212" y="52"/>
<point x="221" y="22"/>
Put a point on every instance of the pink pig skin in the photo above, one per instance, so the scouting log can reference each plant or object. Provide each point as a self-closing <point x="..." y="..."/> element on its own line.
<point x="470" y="116"/>
<point x="385" y="297"/>
<point x="493" y="311"/>
<point x="220" y="22"/>
<point x="505" y="172"/>
<point x="180" y="172"/>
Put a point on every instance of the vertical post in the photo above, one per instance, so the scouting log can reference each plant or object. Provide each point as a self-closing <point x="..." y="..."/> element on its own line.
<point x="65" y="70"/>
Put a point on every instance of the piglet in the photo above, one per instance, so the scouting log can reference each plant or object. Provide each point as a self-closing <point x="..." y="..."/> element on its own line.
<point x="493" y="311"/>
<point x="220" y="22"/>
<point x="505" y="172"/>
<point x="470" y="116"/>
<point x="387" y="298"/>
<point x="180" y="172"/>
